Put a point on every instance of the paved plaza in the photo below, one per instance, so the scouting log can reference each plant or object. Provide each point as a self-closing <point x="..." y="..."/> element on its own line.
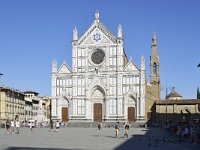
<point x="90" y="139"/>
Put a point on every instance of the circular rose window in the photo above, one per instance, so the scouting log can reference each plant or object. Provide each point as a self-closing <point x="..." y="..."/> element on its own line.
<point x="98" y="56"/>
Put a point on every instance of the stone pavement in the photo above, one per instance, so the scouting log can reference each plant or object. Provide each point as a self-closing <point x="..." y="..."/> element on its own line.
<point x="90" y="139"/>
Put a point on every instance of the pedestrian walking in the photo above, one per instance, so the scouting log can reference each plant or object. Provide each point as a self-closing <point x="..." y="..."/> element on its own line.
<point x="31" y="126"/>
<point x="57" y="126"/>
<point x="8" y="126"/>
<point x="12" y="126"/>
<point x="17" y="124"/>
<point x="99" y="125"/>
<point x="51" y="125"/>
<point x="116" y="131"/>
<point x="126" y="130"/>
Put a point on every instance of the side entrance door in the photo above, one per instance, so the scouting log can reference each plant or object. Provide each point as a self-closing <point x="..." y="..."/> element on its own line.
<point x="131" y="114"/>
<point x="64" y="114"/>
<point x="97" y="112"/>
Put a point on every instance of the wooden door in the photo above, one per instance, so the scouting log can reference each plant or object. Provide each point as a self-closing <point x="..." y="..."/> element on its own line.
<point x="64" y="114"/>
<point x="131" y="114"/>
<point x="98" y="112"/>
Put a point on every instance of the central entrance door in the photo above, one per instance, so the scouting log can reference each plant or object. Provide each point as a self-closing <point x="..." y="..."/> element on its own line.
<point x="64" y="114"/>
<point x="131" y="114"/>
<point x="98" y="112"/>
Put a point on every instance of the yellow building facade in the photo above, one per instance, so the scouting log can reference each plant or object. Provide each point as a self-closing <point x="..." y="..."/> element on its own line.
<point x="11" y="104"/>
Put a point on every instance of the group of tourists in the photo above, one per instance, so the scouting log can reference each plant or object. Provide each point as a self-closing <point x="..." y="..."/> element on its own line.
<point x="57" y="125"/>
<point x="12" y="126"/>
<point x="117" y="130"/>
<point x="187" y="131"/>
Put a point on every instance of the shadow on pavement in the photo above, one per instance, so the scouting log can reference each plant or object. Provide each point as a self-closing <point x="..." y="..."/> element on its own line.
<point x="155" y="138"/>
<point x="103" y="136"/>
<point x="34" y="148"/>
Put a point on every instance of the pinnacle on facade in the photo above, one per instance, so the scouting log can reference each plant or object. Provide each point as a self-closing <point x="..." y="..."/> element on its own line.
<point x="119" y="31"/>
<point x="154" y="41"/>
<point x="142" y="63"/>
<point x="75" y="34"/>
<point x="97" y="15"/>
<point x="54" y="66"/>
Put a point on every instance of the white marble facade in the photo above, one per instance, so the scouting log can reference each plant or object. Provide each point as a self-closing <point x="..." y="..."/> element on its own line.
<point x="100" y="74"/>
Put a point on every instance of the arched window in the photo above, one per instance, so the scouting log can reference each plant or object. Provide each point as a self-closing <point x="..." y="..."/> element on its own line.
<point x="154" y="68"/>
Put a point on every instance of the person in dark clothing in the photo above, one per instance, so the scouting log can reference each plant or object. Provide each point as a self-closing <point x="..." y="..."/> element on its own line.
<point x="8" y="126"/>
<point x="126" y="130"/>
<point x="99" y="125"/>
<point x="51" y="125"/>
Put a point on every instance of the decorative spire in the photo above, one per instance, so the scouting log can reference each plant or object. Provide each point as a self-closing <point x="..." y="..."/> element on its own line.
<point x="173" y="89"/>
<point x="97" y="15"/>
<point x="75" y="34"/>
<point x="154" y="42"/>
<point x="54" y="62"/>
<point x="142" y="63"/>
<point x="119" y="31"/>
<point x="54" y="66"/>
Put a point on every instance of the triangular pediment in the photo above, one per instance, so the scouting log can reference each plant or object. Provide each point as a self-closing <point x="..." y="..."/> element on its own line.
<point x="64" y="69"/>
<point x="97" y="33"/>
<point x="96" y="82"/>
<point x="130" y="67"/>
<point x="131" y="94"/>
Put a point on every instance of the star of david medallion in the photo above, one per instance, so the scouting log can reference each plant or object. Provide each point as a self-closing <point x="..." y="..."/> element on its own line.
<point x="97" y="37"/>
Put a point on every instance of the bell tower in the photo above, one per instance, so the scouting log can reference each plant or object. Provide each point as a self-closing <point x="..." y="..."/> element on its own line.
<point x="154" y="69"/>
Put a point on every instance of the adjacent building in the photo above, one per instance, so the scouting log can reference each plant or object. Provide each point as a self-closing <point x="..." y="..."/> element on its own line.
<point x="12" y="104"/>
<point x="23" y="106"/>
<point x="36" y="107"/>
<point x="176" y="109"/>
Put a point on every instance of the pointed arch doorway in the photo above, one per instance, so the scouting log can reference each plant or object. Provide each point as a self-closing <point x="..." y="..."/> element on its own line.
<point x="131" y="100"/>
<point x="64" y="109"/>
<point x="98" y="103"/>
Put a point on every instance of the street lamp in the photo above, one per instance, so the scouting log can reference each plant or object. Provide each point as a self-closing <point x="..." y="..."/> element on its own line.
<point x="50" y="110"/>
<point x="12" y="95"/>
<point x="166" y="111"/>
<point x="136" y="107"/>
<point x="0" y="94"/>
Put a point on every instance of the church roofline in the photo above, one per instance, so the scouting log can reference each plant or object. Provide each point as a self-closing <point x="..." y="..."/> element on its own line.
<point x="95" y="24"/>
<point x="130" y="61"/>
<point x="64" y="63"/>
<point x="181" y="102"/>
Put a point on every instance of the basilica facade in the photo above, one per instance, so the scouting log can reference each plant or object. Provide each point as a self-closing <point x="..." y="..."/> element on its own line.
<point x="102" y="85"/>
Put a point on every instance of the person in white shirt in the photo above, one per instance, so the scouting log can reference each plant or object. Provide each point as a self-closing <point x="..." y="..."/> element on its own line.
<point x="31" y="125"/>
<point x="17" y="124"/>
<point x="57" y="126"/>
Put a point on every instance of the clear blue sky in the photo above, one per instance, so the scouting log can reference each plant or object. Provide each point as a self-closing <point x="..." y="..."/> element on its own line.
<point x="33" y="33"/>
